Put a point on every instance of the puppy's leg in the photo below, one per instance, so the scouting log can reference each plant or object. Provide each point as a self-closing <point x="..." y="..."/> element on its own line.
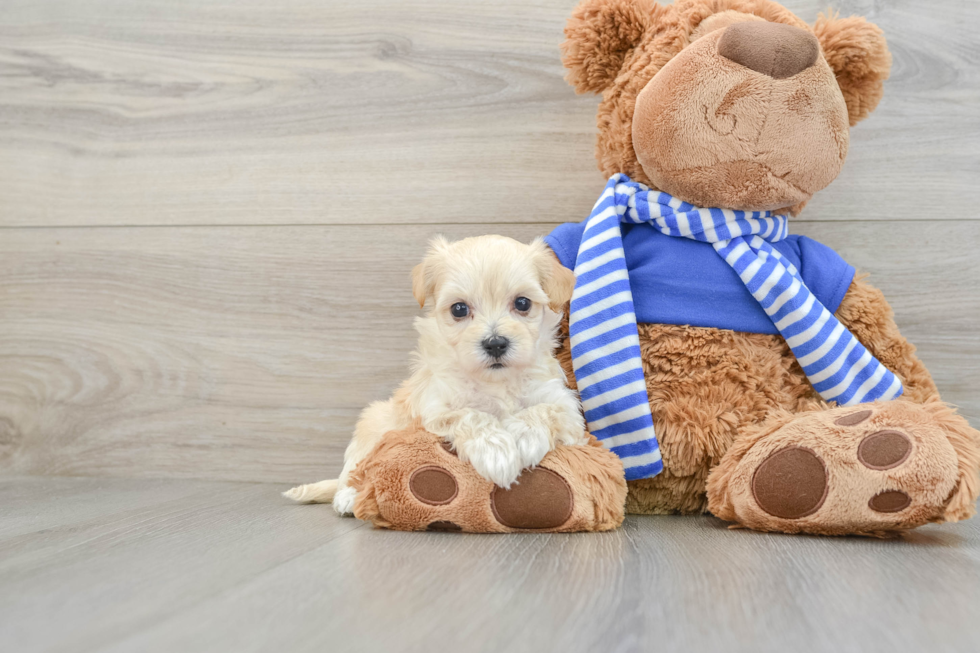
<point x="376" y="420"/>
<point x="480" y="440"/>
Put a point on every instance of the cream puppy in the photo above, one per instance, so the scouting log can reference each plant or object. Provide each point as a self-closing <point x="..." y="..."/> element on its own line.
<point x="484" y="376"/>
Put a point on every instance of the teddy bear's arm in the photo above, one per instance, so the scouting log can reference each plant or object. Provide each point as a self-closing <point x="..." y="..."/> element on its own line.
<point x="867" y="314"/>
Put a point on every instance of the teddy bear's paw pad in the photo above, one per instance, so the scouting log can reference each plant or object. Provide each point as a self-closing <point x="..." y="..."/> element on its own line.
<point x="791" y="483"/>
<point x="433" y="485"/>
<point x="884" y="450"/>
<point x="539" y="499"/>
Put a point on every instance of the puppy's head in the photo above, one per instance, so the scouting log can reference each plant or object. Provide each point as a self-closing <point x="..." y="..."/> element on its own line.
<point x="494" y="302"/>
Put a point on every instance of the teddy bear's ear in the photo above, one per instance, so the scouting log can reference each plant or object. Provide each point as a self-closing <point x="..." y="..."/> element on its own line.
<point x="858" y="54"/>
<point x="599" y="35"/>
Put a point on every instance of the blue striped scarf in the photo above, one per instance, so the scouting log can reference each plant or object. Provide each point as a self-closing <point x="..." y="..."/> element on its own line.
<point x="602" y="322"/>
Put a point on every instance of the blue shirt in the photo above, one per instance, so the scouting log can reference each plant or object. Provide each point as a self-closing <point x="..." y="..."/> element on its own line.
<point x="682" y="281"/>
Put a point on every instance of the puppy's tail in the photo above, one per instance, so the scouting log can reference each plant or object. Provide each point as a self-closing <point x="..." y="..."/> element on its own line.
<point x="321" y="492"/>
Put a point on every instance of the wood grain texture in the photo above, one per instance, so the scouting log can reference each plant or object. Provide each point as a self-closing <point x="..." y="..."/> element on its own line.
<point x="246" y="353"/>
<point x="232" y="567"/>
<point x="129" y="553"/>
<point x="249" y="112"/>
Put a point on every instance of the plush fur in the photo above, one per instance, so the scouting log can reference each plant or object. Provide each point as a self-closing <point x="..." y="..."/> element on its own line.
<point x="856" y="51"/>
<point x="679" y="116"/>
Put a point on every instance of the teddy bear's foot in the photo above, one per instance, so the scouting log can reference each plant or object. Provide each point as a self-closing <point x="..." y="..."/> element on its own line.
<point x="872" y="469"/>
<point x="413" y="481"/>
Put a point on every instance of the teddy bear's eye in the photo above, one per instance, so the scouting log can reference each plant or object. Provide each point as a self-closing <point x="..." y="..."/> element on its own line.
<point x="459" y="310"/>
<point x="522" y="304"/>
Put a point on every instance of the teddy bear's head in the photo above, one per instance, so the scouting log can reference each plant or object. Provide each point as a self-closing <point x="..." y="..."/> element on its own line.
<point x="724" y="103"/>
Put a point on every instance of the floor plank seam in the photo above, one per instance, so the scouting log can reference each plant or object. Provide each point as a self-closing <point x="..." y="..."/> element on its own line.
<point x="449" y="223"/>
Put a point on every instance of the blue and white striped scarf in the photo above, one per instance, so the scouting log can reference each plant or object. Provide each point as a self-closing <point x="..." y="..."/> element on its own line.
<point x="602" y="322"/>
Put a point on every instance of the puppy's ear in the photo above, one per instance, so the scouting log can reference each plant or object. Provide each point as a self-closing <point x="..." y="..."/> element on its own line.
<point x="599" y="36"/>
<point x="420" y="284"/>
<point x="858" y="54"/>
<point x="557" y="281"/>
<point x="426" y="274"/>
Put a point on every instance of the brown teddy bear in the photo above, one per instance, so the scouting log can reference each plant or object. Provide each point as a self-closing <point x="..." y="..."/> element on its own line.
<point x="717" y="115"/>
<point x="741" y="105"/>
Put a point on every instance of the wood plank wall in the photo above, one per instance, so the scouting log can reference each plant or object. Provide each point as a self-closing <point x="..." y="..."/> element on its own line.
<point x="209" y="209"/>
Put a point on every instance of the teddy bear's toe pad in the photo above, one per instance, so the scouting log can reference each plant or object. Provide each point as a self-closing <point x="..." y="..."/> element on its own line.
<point x="880" y="468"/>
<point x="444" y="526"/>
<point x="433" y="485"/>
<point x="853" y="419"/>
<point x="890" y="501"/>
<point x="790" y="483"/>
<point x="884" y="450"/>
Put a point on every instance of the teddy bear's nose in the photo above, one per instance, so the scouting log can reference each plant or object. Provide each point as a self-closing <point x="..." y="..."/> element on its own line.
<point x="773" y="49"/>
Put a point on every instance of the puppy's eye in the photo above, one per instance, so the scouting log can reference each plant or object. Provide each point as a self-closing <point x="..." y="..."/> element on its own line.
<point x="459" y="310"/>
<point x="522" y="304"/>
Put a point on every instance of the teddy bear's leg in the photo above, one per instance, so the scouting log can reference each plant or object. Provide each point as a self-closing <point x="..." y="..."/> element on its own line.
<point x="868" y="469"/>
<point x="413" y="481"/>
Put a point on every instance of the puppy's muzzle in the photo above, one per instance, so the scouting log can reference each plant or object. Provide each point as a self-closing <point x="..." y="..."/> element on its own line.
<point x="496" y="346"/>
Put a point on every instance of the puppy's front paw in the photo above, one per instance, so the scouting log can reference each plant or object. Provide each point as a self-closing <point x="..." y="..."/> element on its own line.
<point x="537" y="429"/>
<point x="572" y="433"/>
<point x="566" y="426"/>
<point x="494" y="456"/>
<point x="532" y="444"/>
<point x="343" y="501"/>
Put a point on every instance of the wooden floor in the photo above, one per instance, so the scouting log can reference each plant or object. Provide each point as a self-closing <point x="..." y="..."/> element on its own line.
<point x="163" y="565"/>
<point x="208" y="213"/>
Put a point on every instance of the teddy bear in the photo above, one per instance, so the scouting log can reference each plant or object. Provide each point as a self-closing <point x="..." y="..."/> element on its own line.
<point x="733" y="113"/>
<point x="733" y="368"/>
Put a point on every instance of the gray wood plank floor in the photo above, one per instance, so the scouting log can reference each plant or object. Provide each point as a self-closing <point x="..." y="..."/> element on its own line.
<point x="174" y="565"/>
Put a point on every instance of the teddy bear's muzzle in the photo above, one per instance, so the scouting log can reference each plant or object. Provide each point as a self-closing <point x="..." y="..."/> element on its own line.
<point x="747" y="117"/>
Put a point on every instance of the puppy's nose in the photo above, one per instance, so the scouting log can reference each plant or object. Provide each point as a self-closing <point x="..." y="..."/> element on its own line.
<point x="496" y="346"/>
<point x="773" y="49"/>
